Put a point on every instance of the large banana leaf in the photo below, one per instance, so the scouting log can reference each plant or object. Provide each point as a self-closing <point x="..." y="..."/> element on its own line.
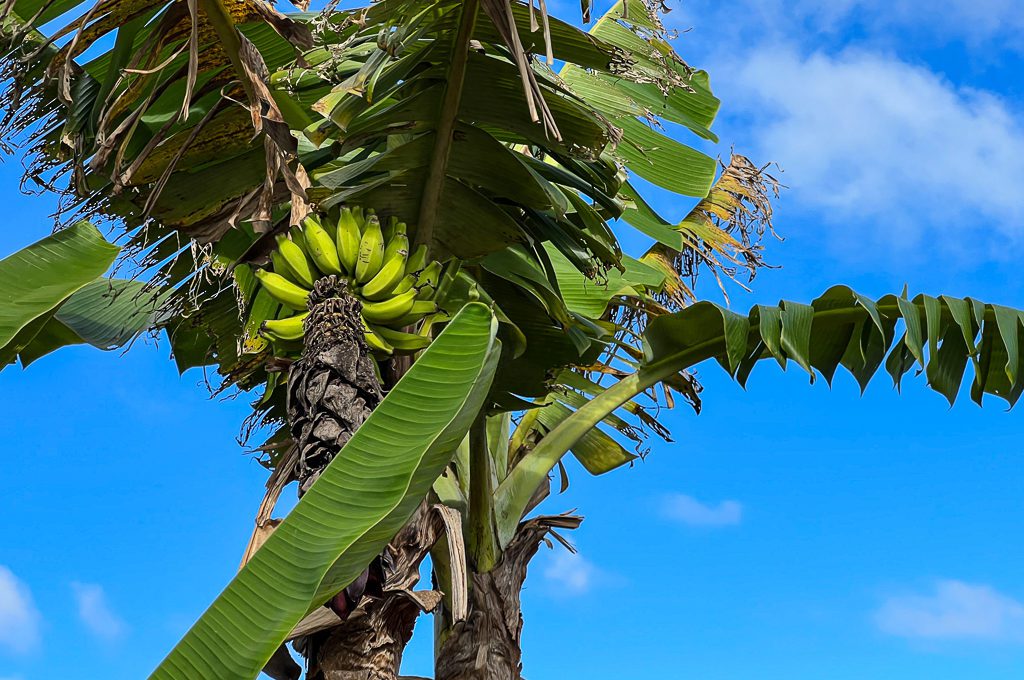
<point x="443" y="126"/>
<point x="35" y="280"/>
<point x="668" y="89"/>
<point x="106" y="313"/>
<point x="840" y="328"/>
<point x="356" y="506"/>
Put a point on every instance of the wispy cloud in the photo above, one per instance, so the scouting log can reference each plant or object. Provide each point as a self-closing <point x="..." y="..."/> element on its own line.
<point x="95" y="612"/>
<point x="571" y="573"/>
<point x="688" y="510"/>
<point x="19" y="618"/>
<point x="954" y="610"/>
<point x="893" y="148"/>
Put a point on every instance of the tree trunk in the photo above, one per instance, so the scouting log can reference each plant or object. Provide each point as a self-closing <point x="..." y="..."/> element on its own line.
<point x="368" y="644"/>
<point x="332" y="390"/>
<point x="487" y="646"/>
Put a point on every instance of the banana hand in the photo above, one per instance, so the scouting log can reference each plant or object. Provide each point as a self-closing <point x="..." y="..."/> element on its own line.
<point x="389" y="276"/>
<point x="375" y="341"/>
<point x="296" y="258"/>
<point x="419" y="309"/>
<point x="285" y="329"/>
<point x="347" y="239"/>
<point x="400" y="341"/>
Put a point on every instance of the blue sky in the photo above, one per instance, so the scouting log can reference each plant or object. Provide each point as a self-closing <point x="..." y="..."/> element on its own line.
<point x="790" y="531"/>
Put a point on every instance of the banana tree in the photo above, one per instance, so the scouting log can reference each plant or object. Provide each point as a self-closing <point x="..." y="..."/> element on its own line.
<point x="397" y="226"/>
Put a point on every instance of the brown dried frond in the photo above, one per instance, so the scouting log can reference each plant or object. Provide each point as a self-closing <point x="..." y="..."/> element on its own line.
<point x="722" y="233"/>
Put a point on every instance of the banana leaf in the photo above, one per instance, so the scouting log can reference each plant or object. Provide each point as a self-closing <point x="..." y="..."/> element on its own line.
<point x="36" y="280"/>
<point x="941" y="335"/>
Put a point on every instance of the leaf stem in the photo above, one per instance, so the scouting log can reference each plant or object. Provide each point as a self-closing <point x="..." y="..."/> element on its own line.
<point x="434" y="185"/>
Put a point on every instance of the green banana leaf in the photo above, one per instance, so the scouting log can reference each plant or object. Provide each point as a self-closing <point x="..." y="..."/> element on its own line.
<point x="590" y="297"/>
<point x="35" y="280"/>
<point x="356" y="506"/>
<point x="840" y="328"/>
<point x="106" y="313"/>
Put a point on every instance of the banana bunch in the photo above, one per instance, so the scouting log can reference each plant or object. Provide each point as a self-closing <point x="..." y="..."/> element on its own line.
<point x="395" y="287"/>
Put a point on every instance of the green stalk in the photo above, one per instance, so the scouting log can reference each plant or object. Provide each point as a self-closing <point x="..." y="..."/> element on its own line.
<point x="482" y="539"/>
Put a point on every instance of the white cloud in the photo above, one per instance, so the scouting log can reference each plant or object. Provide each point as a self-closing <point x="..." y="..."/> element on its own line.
<point x="571" y="573"/>
<point x="689" y="510"/>
<point x="970" y="20"/>
<point x="955" y="610"/>
<point x="976" y="23"/>
<point x="19" y="618"/>
<point x="95" y="612"/>
<point x="891" y="150"/>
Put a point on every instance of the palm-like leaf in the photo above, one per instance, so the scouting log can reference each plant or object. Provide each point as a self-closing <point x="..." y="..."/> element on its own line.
<point x="841" y="328"/>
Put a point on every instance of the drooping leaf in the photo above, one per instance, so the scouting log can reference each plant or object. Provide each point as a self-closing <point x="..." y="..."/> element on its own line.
<point x="36" y="280"/>
<point x="839" y="328"/>
<point x="107" y="314"/>
<point x="590" y="296"/>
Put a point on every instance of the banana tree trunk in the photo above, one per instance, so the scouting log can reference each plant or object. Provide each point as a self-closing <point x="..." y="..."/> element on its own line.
<point x="334" y="387"/>
<point x="487" y="646"/>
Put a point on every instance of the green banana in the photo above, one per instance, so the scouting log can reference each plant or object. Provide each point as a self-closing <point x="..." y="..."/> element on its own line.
<point x="321" y="246"/>
<point x="407" y="282"/>
<point x="426" y="281"/>
<point x="398" y="243"/>
<point x="375" y="341"/>
<point x="281" y="267"/>
<point x="285" y="329"/>
<point x="417" y="261"/>
<point x="297" y="260"/>
<point x="283" y="290"/>
<point x="387" y="278"/>
<point x="394" y="228"/>
<point x="388" y="310"/>
<point x="348" y="240"/>
<point x="371" y="251"/>
<point x="262" y="307"/>
<point x="428" y="322"/>
<point x="401" y="341"/>
<point x="330" y="225"/>
<point x="419" y="309"/>
<point x="357" y="215"/>
<point x="389" y="228"/>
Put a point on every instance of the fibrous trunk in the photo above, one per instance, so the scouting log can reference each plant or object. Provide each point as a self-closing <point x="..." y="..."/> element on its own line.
<point x="334" y="387"/>
<point x="368" y="643"/>
<point x="487" y="646"/>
